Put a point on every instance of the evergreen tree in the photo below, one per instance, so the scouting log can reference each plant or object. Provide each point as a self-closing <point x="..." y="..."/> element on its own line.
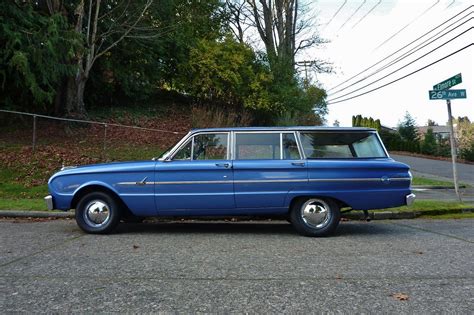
<point x="428" y="145"/>
<point x="378" y="125"/>
<point x="407" y="128"/>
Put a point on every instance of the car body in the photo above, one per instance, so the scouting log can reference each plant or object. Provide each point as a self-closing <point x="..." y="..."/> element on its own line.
<point x="306" y="173"/>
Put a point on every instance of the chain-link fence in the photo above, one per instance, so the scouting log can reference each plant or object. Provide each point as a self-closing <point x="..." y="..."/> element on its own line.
<point x="35" y="145"/>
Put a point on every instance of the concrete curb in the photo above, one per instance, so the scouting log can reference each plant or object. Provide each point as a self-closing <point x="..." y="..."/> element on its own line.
<point x="35" y="214"/>
<point x="356" y="215"/>
<point x="396" y="215"/>
<point x="425" y="187"/>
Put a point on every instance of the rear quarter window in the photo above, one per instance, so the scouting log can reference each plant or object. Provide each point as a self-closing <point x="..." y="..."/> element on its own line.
<point x="345" y="145"/>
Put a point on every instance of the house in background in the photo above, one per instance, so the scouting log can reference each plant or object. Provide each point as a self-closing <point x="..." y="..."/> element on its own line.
<point x="440" y="132"/>
<point x="388" y="129"/>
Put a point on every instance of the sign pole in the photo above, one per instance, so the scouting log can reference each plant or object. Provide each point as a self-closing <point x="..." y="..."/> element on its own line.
<point x="453" y="150"/>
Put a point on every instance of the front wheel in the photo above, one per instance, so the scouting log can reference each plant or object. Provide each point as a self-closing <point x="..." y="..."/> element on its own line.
<point x="315" y="216"/>
<point x="97" y="213"/>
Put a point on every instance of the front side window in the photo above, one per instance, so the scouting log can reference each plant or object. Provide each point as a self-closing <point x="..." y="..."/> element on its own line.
<point x="211" y="146"/>
<point x="341" y="145"/>
<point x="257" y="146"/>
<point x="184" y="153"/>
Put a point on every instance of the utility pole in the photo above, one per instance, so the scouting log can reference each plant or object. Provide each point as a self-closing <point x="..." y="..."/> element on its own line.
<point x="306" y="64"/>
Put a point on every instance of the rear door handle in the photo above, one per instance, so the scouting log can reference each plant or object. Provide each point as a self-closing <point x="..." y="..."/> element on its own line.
<point x="298" y="163"/>
<point x="226" y="165"/>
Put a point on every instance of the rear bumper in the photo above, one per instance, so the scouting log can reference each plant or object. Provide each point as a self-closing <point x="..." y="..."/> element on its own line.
<point x="410" y="199"/>
<point x="49" y="202"/>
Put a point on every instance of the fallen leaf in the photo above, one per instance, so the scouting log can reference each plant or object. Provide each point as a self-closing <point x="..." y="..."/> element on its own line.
<point x="400" y="296"/>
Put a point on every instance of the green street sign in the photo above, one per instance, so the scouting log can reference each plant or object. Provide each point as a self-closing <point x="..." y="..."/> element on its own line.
<point x="449" y="83"/>
<point x="447" y="94"/>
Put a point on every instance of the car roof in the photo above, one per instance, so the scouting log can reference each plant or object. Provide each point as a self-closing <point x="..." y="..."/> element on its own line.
<point x="293" y="128"/>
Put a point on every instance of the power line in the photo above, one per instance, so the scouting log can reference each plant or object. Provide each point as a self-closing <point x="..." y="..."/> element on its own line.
<point x="352" y="15"/>
<point x="398" y="50"/>
<point x="337" y="12"/>
<point x="403" y="77"/>
<point x="399" y="31"/>
<point x="368" y="12"/>
<point x="452" y="2"/>
<point x="408" y="53"/>
<point x="403" y="67"/>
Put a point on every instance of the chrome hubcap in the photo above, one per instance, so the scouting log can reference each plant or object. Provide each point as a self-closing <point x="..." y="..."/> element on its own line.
<point x="315" y="213"/>
<point x="97" y="213"/>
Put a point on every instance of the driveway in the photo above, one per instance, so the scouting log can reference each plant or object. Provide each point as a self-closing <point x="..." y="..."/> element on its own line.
<point x="437" y="168"/>
<point x="416" y="266"/>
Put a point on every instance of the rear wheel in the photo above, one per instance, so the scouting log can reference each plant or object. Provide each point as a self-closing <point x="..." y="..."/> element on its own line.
<point x="315" y="216"/>
<point x="97" y="213"/>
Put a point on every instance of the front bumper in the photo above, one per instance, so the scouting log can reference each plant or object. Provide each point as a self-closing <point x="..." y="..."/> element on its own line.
<point x="410" y="199"/>
<point x="49" y="202"/>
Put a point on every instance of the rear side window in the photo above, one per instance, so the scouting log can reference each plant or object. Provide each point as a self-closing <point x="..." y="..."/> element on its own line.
<point x="341" y="145"/>
<point x="257" y="146"/>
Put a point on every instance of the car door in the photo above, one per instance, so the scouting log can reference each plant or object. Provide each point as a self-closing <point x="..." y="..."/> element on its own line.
<point x="267" y="165"/>
<point x="198" y="179"/>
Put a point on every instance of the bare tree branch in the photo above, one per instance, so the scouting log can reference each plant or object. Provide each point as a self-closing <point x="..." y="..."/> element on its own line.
<point x="127" y="31"/>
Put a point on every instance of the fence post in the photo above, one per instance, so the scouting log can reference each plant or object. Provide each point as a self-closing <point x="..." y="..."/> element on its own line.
<point x="105" y="142"/>
<point x="34" y="133"/>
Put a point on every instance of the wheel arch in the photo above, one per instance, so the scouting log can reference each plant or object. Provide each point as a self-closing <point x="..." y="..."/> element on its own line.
<point x="339" y="202"/>
<point x="96" y="187"/>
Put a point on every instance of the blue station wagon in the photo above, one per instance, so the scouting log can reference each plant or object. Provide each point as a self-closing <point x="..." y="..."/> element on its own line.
<point x="305" y="173"/>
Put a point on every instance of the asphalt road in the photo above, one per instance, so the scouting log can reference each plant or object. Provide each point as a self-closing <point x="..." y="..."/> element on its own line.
<point x="238" y="267"/>
<point x="437" y="168"/>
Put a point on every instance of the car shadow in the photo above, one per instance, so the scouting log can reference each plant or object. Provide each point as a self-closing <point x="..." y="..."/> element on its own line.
<point x="243" y="227"/>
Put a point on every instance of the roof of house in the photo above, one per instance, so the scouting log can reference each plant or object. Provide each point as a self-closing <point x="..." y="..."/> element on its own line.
<point x="436" y="129"/>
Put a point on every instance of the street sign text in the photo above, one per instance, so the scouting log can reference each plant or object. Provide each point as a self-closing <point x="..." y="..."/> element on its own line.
<point x="447" y="94"/>
<point x="446" y="84"/>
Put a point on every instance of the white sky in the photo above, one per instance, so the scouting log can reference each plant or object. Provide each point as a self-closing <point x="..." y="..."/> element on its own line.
<point x="353" y="49"/>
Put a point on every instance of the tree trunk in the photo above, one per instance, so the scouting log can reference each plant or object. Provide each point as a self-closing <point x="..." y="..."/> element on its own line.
<point x="75" y="96"/>
<point x="76" y="84"/>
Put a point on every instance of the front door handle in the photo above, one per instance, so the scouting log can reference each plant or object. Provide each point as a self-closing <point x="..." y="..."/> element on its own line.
<point x="298" y="163"/>
<point x="226" y="165"/>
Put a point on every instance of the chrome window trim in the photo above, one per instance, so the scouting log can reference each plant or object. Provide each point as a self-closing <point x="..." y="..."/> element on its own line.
<point x="231" y="141"/>
<point x="231" y="147"/>
<point x="281" y="145"/>
<point x="192" y="135"/>
<point x="192" y="147"/>
<point x="300" y="145"/>
<point x="383" y="145"/>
